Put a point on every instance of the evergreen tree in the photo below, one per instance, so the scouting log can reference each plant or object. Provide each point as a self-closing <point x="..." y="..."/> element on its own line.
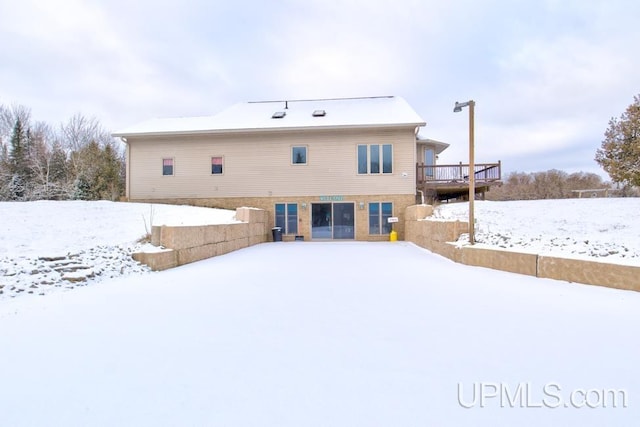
<point x="59" y="166"/>
<point x="87" y="163"/>
<point x="110" y="173"/>
<point x="18" y="155"/>
<point x="18" y="162"/>
<point x="82" y="188"/>
<point x="98" y="172"/>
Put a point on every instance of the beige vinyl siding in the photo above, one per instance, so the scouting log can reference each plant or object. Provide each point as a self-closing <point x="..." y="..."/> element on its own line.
<point x="259" y="164"/>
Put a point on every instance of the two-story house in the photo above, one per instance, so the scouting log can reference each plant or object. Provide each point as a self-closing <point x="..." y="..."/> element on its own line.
<point x="323" y="169"/>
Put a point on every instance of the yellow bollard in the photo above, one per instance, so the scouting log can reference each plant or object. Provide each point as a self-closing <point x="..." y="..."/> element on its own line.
<point x="393" y="236"/>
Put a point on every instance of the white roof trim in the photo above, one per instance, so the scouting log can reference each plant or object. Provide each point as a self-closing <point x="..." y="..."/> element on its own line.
<point x="257" y="116"/>
<point x="439" y="145"/>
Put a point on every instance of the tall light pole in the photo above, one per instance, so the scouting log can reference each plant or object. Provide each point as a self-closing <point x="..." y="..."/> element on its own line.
<point x="472" y="168"/>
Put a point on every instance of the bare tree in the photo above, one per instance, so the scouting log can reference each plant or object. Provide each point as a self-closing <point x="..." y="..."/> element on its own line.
<point x="79" y="131"/>
<point x="8" y="118"/>
<point x="47" y="162"/>
<point x="551" y="184"/>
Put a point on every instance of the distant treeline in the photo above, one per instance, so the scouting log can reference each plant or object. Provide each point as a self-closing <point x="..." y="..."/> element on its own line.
<point x="552" y="184"/>
<point x="75" y="160"/>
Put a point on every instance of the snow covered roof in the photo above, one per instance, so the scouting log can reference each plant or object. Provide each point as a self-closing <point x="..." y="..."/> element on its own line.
<point x="439" y="145"/>
<point x="282" y="115"/>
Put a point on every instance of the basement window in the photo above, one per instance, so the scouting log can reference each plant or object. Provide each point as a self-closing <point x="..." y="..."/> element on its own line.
<point x="279" y="114"/>
<point x="319" y="113"/>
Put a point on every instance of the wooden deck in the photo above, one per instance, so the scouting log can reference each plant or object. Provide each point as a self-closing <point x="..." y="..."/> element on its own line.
<point x="444" y="182"/>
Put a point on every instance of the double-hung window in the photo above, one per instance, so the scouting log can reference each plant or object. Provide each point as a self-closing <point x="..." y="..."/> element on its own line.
<point x="167" y="166"/>
<point x="379" y="213"/>
<point x="216" y="165"/>
<point x="287" y="217"/>
<point x="375" y="158"/>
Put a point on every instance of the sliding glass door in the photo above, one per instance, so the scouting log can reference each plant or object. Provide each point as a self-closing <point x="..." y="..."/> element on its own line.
<point x="332" y="221"/>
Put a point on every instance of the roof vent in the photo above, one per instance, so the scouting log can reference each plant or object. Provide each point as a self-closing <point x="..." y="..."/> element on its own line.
<point x="279" y="114"/>
<point x="319" y="113"/>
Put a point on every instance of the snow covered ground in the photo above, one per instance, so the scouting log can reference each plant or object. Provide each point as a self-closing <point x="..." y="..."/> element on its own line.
<point x="46" y="246"/>
<point x="322" y="334"/>
<point x="606" y="229"/>
<point x="306" y="333"/>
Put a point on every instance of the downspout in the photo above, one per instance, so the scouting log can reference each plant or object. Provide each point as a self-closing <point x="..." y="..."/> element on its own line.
<point x="415" y="159"/>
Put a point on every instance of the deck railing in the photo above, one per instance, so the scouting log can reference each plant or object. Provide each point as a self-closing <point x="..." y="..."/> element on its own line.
<point x="484" y="172"/>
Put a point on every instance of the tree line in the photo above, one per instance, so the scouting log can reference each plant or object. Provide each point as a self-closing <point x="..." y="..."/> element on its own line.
<point x="551" y="184"/>
<point x="76" y="160"/>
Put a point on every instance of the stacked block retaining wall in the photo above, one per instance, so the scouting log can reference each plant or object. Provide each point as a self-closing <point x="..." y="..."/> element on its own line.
<point x="437" y="236"/>
<point x="186" y="244"/>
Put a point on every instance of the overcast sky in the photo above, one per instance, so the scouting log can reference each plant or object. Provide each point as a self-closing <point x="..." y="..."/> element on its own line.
<point x="546" y="75"/>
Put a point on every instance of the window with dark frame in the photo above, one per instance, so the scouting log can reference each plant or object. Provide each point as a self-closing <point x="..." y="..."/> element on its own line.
<point x="167" y="166"/>
<point x="216" y="165"/>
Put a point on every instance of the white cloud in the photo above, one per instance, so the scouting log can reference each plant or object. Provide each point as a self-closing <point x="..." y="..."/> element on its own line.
<point x="546" y="76"/>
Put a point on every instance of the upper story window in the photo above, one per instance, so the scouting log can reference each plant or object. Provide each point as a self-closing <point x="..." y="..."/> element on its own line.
<point x="375" y="158"/>
<point x="167" y="166"/>
<point x="299" y="155"/>
<point x="216" y="165"/>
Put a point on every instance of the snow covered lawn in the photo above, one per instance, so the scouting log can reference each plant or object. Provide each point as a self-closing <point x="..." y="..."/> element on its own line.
<point x="47" y="246"/>
<point x="311" y="334"/>
<point x="606" y="229"/>
<point x="322" y="334"/>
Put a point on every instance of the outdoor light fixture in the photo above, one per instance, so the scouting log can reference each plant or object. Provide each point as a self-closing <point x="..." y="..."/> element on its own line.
<point x="361" y="205"/>
<point x="459" y="105"/>
<point x="304" y="206"/>
<point x="472" y="168"/>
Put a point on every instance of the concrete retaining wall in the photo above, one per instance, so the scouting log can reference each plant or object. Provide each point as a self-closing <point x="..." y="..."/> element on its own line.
<point x="437" y="236"/>
<point x="187" y="244"/>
